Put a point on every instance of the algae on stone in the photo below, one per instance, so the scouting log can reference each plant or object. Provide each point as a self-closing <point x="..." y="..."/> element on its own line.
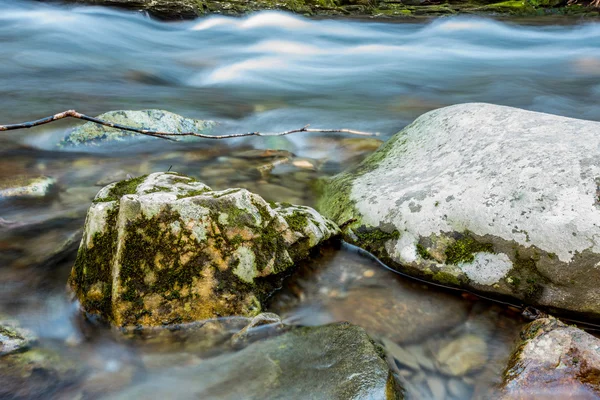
<point x="165" y="249"/>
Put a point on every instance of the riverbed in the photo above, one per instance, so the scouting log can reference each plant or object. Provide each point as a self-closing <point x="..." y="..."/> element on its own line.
<point x="268" y="72"/>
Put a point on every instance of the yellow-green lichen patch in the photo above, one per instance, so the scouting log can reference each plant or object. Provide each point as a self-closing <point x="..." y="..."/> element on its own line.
<point x="122" y="188"/>
<point x="423" y="252"/>
<point x="446" y="278"/>
<point x="463" y="250"/>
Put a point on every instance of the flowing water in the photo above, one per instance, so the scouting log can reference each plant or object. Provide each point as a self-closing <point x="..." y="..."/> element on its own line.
<point x="268" y="72"/>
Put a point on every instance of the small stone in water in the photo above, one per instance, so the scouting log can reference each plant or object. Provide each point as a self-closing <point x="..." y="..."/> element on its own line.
<point x="401" y="355"/>
<point x="305" y="164"/>
<point x="437" y="387"/>
<point x="463" y="355"/>
<point x="458" y="388"/>
<point x="369" y="273"/>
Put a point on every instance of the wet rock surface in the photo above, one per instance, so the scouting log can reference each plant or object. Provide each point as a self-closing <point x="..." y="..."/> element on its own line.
<point x="28" y="371"/>
<point x="156" y="120"/>
<point x="336" y="361"/>
<point x="166" y="249"/>
<point x="506" y="203"/>
<point x="553" y="361"/>
<point x="26" y="188"/>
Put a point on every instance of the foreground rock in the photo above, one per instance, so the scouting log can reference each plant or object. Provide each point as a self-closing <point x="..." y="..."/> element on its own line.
<point x="553" y="361"/>
<point x="157" y="120"/>
<point x="490" y="198"/>
<point x="328" y="362"/>
<point x="189" y="9"/>
<point x="28" y="372"/>
<point x="167" y="249"/>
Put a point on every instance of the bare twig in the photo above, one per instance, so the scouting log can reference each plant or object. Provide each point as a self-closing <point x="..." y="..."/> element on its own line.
<point x="166" y="135"/>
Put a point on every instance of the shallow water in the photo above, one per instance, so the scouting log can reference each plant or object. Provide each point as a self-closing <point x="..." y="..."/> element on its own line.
<point x="267" y="72"/>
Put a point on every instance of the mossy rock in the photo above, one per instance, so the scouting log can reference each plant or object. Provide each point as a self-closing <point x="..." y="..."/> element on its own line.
<point x="485" y="198"/>
<point x="166" y="249"/>
<point x="91" y="134"/>
<point x="190" y="9"/>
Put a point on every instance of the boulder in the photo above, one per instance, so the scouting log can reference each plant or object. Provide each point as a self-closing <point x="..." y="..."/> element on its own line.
<point x="165" y="248"/>
<point x="493" y="199"/>
<point x="553" y="361"/>
<point x="92" y="134"/>
<point x="336" y="361"/>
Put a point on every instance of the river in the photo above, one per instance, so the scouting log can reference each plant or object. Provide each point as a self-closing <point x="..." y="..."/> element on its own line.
<point x="267" y="72"/>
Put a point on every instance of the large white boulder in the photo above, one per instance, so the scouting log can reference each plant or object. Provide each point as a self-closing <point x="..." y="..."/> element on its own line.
<point x="489" y="198"/>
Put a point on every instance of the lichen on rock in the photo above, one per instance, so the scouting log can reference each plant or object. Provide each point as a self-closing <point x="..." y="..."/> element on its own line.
<point x="91" y="134"/>
<point x="494" y="199"/>
<point x="553" y="360"/>
<point x="165" y="248"/>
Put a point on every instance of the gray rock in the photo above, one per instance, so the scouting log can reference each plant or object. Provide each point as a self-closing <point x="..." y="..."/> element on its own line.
<point x="157" y="120"/>
<point x="553" y="361"/>
<point x="28" y="371"/>
<point x="328" y="362"/>
<point x="165" y="248"/>
<point x="490" y="198"/>
<point x="23" y="187"/>
<point x="13" y="338"/>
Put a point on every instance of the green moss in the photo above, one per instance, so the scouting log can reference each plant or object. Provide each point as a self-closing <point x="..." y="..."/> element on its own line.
<point x="423" y="253"/>
<point x="529" y="283"/>
<point x="446" y="278"/>
<point x="153" y="249"/>
<point x="270" y="244"/>
<point x="193" y="193"/>
<point x="374" y="239"/>
<point x="297" y="221"/>
<point x="122" y="188"/>
<point x="511" y="7"/>
<point x="463" y="250"/>
<point x="93" y="267"/>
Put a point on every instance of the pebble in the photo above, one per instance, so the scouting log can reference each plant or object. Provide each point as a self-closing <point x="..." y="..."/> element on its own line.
<point x="437" y="387"/>
<point x="400" y="354"/>
<point x="462" y="355"/>
<point x="459" y="388"/>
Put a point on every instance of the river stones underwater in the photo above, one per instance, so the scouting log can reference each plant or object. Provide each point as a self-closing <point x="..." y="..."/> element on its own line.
<point x="28" y="371"/>
<point x="489" y="198"/>
<point x="553" y="361"/>
<point x="165" y="248"/>
<point x="91" y="133"/>
<point x="337" y="361"/>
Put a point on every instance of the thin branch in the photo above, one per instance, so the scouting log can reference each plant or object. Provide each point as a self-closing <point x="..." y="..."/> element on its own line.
<point x="166" y="135"/>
